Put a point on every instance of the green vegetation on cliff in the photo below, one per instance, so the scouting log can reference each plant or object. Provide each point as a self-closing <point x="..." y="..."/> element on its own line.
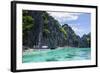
<point x="39" y="29"/>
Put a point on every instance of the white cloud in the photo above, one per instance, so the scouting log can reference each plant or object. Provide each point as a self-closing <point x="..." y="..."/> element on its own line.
<point x="77" y="29"/>
<point x="63" y="17"/>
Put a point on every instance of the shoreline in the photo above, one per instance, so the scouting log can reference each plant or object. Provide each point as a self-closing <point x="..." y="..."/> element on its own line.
<point x="32" y="49"/>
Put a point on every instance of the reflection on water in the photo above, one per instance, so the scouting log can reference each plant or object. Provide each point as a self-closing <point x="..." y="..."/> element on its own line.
<point x="61" y="54"/>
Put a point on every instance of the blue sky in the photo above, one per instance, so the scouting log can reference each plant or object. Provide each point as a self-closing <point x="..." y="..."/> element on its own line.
<point x="80" y="22"/>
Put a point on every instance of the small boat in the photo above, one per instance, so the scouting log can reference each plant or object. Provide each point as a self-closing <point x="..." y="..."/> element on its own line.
<point x="44" y="47"/>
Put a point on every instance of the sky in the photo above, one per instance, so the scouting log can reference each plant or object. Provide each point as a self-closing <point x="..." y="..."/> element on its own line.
<point x="80" y="22"/>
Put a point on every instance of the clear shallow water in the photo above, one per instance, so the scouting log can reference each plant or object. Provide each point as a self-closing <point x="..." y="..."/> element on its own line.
<point x="62" y="54"/>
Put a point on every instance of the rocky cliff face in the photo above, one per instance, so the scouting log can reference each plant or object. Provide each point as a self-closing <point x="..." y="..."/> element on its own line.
<point x="86" y="40"/>
<point x="46" y="31"/>
<point x="72" y="40"/>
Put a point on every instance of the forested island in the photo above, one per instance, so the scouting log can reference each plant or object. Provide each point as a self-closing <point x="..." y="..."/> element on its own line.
<point x="40" y="29"/>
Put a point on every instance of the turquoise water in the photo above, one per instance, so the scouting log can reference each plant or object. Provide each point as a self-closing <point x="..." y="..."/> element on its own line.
<point x="60" y="54"/>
